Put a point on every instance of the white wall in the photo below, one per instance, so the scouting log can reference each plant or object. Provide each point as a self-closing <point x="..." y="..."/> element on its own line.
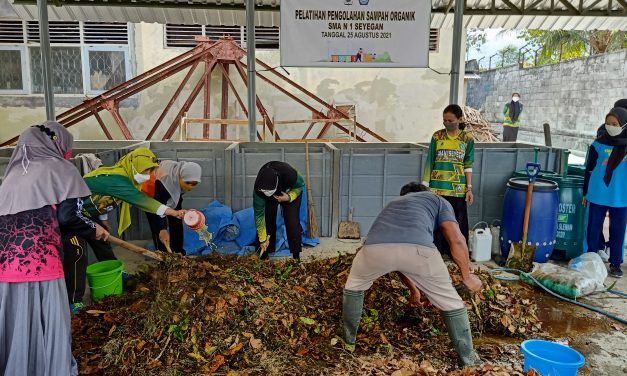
<point x="399" y="104"/>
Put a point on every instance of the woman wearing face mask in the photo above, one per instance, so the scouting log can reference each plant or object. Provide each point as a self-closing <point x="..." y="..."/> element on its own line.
<point x="40" y="201"/>
<point x="604" y="187"/>
<point x="511" y="118"/>
<point x="448" y="171"/>
<point x="278" y="183"/>
<point x="171" y="180"/>
<point x="114" y="186"/>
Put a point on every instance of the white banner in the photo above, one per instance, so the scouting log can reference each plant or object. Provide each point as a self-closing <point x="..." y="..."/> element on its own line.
<point x="355" y="33"/>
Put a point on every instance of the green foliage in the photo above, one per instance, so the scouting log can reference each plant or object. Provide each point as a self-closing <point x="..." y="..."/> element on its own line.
<point x="557" y="45"/>
<point x="475" y="39"/>
<point x="508" y="55"/>
<point x="179" y="329"/>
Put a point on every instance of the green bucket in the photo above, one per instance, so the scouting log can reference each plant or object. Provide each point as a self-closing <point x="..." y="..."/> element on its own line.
<point x="571" y="217"/>
<point x="105" y="278"/>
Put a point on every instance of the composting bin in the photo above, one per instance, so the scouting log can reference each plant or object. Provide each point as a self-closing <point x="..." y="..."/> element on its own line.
<point x="542" y="218"/>
<point x="571" y="217"/>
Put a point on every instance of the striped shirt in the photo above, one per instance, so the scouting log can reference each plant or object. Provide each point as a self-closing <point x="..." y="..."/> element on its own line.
<point x="448" y="160"/>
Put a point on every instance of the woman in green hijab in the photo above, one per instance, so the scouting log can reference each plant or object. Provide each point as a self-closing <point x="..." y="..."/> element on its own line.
<point x="114" y="186"/>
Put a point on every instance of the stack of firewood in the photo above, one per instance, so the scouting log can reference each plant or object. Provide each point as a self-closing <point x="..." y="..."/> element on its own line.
<point x="478" y="126"/>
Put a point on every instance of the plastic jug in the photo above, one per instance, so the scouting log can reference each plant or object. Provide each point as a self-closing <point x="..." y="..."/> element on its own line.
<point x="495" y="230"/>
<point x="481" y="245"/>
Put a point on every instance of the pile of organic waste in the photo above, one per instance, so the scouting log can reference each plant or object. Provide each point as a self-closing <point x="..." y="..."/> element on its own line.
<point x="243" y="316"/>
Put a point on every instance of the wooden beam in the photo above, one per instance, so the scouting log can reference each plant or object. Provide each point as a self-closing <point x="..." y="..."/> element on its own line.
<point x="224" y="113"/>
<point x="174" y="98"/>
<point x="185" y="107"/>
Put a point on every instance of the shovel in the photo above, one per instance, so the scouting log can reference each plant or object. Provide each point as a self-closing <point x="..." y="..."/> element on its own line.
<point x="134" y="248"/>
<point x="521" y="255"/>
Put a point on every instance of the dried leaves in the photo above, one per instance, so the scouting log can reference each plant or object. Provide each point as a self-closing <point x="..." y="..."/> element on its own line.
<point x="223" y="314"/>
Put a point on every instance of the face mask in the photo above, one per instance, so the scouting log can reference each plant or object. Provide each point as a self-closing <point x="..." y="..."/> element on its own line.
<point x="613" y="131"/>
<point x="270" y="192"/>
<point x="68" y="155"/>
<point x="451" y="126"/>
<point x="515" y="99"/>
<point x="140" y="178"/>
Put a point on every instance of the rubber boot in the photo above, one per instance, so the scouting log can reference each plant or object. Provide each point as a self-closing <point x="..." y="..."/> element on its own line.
<point x="458" y="327"/>
<point x="353" y="303"/>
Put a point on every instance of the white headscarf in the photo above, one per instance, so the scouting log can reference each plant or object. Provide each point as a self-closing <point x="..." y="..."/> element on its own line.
<point x="169" y="173"/>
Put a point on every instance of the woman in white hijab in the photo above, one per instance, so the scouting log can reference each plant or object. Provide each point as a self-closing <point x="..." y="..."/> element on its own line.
<point x="171" y="180"/>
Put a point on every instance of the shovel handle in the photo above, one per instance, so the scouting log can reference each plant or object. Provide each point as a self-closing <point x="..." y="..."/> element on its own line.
<point x="133" y="248"/>
<point x="533" y="169"/>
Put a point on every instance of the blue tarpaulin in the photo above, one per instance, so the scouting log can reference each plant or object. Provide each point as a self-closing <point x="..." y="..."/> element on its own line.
<point x="234" y="233"/>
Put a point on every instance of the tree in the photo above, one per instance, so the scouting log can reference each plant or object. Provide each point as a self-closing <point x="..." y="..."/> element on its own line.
<point x="509" y="56"/>
<point x="556" y="45"/>
<point x="475" y="39"/>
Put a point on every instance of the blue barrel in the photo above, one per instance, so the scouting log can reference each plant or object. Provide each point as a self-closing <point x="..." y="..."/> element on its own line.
<point x="542" y="219"/>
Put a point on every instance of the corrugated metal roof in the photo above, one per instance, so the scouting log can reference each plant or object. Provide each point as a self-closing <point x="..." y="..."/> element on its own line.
<point x="581" y="15"/>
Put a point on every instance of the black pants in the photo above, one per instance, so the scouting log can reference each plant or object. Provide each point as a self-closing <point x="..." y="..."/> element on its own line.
<point x="291" y="215"/>
<point x="175" y="228"/>
<point x="461" y="215"/>
<point x="75" y="263"/>
<point x="510" y="134"/>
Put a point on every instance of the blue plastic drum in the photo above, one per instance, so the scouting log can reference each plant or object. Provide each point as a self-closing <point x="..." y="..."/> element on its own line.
<point x="542" y="219"/>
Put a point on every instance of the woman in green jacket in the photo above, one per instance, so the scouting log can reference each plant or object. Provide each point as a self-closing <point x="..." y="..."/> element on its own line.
<point x="114" y="186"/>
<point x="448" y="171"/>
<point x="511" y="118"/>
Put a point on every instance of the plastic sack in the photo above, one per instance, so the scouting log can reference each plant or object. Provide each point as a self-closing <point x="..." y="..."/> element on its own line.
<point x="591" y="265"/>
<point x="583" y="276"/>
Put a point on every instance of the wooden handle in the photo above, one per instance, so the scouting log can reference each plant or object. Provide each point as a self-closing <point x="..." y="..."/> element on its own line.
<point x="167" y="247"/>
<point x="527" y="212"/>
<point x="132" y="247"/>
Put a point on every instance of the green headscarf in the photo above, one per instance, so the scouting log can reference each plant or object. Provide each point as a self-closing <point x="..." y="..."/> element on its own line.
<point x="134" y="162"/>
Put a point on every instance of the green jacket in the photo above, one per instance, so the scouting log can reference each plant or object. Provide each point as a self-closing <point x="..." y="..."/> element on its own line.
<point x="109" y="191"/>
<point x="259" y="206"/>
<point x="447" y="162"/>
<point x="507" y="119"/>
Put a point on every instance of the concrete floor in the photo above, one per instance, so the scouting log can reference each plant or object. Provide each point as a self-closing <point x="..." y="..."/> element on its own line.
<point x="603" y="343"/>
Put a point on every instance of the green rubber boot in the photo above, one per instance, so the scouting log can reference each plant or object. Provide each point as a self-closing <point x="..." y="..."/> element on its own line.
<point x="353" y="303"/>
<point x="458" y="327"/>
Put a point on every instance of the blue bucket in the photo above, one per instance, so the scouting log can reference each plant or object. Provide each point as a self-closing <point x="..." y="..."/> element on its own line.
<point x="551" y="358"/>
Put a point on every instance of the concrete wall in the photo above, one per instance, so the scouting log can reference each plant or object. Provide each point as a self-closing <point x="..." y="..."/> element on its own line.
<point x="572" y="96"/>
<point x="399" y="104"/>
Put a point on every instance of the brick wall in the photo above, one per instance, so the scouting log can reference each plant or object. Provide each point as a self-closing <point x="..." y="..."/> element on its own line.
<point x="572" y="96"/>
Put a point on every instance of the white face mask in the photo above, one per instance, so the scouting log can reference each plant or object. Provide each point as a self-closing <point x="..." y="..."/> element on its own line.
<point x="515" y="99"/>
<point x="140" y="178"/>
<point x="270" y="192"/>
<point x="614" y="131"/>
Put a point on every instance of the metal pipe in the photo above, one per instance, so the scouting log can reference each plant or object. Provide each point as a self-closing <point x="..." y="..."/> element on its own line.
<point x="46" y="58"/>
<point x="250" y="56"/>
<point x="458" y="25"/>
<point x="323" y="196"/>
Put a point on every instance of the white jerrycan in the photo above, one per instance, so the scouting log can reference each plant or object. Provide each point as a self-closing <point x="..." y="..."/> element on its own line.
<point x="480" y="243"/>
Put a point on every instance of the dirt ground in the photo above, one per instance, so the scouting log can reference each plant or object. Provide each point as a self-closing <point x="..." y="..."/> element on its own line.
<point x="601" y="340"/>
